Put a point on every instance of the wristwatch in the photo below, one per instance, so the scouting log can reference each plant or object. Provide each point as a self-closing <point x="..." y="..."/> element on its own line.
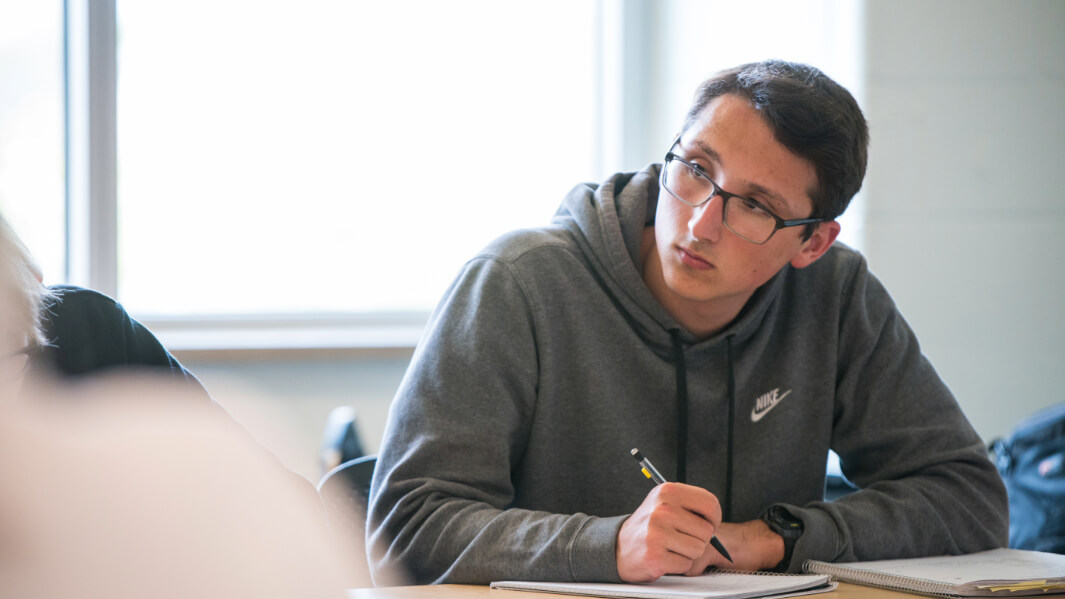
<point x="788" y="527"/>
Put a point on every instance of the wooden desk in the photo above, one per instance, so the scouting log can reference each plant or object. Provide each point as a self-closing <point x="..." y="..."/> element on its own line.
<point x="461" y="591"/>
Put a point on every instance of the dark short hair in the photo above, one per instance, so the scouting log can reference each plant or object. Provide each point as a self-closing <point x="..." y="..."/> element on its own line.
<point x="811" y="115"/>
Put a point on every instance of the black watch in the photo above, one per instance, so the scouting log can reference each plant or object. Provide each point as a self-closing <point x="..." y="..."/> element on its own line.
<point x="788" y="527"/>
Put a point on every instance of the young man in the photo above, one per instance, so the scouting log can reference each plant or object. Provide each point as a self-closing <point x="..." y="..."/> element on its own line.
<point x="700" y="311"/>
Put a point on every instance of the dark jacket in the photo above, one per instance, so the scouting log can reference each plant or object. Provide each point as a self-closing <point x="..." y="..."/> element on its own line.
<point x="90" y="333"/>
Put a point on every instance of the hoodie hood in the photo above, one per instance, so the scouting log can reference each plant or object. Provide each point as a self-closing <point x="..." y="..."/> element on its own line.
<point x="608" y="222"/>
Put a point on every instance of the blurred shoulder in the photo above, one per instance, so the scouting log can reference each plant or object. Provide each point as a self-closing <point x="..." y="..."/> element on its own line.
<point x="78" y="303"/>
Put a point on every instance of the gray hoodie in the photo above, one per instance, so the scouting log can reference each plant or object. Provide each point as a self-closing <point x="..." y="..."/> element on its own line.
<point x="507" y="456"/>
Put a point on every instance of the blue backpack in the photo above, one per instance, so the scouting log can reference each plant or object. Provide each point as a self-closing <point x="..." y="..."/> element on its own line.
<point x="1032" y="464"/>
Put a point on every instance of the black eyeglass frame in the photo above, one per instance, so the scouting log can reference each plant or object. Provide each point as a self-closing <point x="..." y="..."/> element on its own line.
<point x="726" y="196"/>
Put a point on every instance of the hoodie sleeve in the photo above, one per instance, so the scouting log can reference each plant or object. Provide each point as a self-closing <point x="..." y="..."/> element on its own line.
<point x="440" y="508"/>
<point x="927" y="485"/>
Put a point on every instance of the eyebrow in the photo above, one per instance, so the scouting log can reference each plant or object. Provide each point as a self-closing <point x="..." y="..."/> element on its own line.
<point x="775" y="198"/>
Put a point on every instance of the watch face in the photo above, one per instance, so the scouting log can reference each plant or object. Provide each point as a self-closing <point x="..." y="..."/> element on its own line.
<point x="784" y="523"/>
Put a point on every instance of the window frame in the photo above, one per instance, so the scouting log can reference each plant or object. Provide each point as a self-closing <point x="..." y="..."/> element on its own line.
<point x="629" y="129"/>
<point x="90" y="81"/>
<point x="90" y="65"/>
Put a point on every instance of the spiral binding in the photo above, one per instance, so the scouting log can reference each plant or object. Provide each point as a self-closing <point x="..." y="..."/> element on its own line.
<point x="891" y="582"/>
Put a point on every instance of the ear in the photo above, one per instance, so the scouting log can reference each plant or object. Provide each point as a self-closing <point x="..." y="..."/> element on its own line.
<point x="816" y="246"/>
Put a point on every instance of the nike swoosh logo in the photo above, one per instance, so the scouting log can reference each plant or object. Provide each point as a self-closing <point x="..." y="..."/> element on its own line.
<point x="757" y="414"/>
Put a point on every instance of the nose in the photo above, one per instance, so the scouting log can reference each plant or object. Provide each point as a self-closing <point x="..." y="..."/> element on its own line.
<point x="707" y="220"/>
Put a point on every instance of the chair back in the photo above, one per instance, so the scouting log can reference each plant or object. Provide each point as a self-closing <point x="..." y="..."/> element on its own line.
<point x="345" y="491"/>
<point x="341" y="441"/>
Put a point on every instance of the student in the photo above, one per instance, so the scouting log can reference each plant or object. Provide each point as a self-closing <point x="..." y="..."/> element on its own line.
<point x="78" y="331"/>
<point x="699" y="310"/>
<point x="128" y="486"/>
<point x="125" y="485"/>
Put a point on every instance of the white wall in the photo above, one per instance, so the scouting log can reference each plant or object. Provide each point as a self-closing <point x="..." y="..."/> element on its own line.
<point x="966" y="192"/>
<point x="965" y="225"/>
<point x="284" y="398"/>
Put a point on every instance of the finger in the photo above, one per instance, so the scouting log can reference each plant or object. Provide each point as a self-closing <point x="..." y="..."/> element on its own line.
<point x="694" y="499"/>
<point x="665" y="532"/>
<point x="662" y="533"/>
<point x="673" y="563"/>
<point x="687" y="546"/>
<point x="703" y="503"/>
<point x="668" y="515"/>
<point x="672" y="518"/>
<point x="697" y="569"/>
<point x="702" y="563"/>
<point x="693" y="525"/>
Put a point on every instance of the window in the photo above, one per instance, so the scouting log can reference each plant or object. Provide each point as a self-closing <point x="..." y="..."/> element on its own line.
<point x="31" y="128"/>
<point x="267" y="164"/>
<point x="336" y="156"/>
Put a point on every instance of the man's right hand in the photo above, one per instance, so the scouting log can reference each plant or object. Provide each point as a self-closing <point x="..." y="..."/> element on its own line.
<point x="667" y="533"/>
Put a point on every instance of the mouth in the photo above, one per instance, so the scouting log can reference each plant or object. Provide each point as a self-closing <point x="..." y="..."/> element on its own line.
<point x="693" y="260"/>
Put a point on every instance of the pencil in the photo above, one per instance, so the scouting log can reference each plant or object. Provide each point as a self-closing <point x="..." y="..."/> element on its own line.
<point x="652" y="473"/>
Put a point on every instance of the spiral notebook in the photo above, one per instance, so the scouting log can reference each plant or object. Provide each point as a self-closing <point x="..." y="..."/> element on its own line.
<point x="715" y="585"/>
<point x="995" y="573"/>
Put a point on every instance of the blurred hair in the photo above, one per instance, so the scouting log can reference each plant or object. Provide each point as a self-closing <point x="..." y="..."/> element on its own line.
<point x="22" y="283"/>
<point x="811" y="115"/>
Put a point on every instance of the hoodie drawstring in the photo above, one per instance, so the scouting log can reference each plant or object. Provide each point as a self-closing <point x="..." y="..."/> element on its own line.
<point x="726" y="508"/>
<point x="682" y="406"/>
<point x="682" y="418"/>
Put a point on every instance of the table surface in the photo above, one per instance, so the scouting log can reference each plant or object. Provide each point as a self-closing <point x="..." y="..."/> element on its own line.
<point x="459" y="591"/>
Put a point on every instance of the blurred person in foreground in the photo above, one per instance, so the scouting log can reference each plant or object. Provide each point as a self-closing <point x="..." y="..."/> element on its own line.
<point x="139" y="488"/>
<point x="701" y="311"/>
<point x="136" y="490"/>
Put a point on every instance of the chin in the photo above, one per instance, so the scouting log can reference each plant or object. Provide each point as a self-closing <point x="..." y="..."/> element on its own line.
<point x="689" y="288"/>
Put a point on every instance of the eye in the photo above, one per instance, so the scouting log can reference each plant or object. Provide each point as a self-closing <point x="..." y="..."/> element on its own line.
<point x="696" y="170"/>
<point x="748" y="205"/>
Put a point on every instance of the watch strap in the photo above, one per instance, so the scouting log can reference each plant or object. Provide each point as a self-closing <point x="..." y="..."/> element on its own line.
<point x="790" y="528"/>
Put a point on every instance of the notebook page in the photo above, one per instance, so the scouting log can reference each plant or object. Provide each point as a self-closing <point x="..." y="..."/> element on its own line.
<point x="996" y="565"/>
<point x="716" y="585"/>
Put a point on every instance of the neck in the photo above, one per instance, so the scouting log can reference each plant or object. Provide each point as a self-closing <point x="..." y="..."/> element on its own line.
<point x="702" y="318"/>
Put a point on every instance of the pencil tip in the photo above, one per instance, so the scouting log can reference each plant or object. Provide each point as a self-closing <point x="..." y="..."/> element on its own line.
<point x="636" y="454"/>
<point x="721" y="549"/>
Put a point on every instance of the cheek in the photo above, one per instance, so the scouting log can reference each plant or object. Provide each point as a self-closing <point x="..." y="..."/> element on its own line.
<point x="671" y="221"/>
<point x="761" y="266"/>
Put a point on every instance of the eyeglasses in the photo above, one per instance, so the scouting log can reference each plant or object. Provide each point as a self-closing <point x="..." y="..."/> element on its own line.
<point x="689" y="183"/>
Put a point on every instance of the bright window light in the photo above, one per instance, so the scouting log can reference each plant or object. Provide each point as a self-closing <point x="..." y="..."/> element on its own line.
<point x="31" y="129"/>
<point x="338" y="156"/>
